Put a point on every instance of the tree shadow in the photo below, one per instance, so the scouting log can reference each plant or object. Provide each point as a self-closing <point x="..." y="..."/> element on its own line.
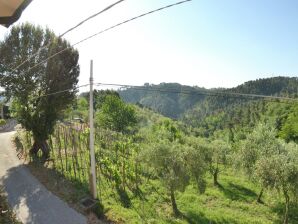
<point x="194" y="218"/>
<point x="199" y="218"/>
<point x="123" y="196"/>
<point x="238" y="192"/>
<point x="32" y="201"/>
<point x="137" y="192"/>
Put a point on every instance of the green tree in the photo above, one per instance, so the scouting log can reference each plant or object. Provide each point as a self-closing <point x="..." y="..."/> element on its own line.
<point x="196" y="158"/>
<point x="280" y="172"/>
<point x="259" y="144"/>
<point x="289" y="130"/>
<point x="116" y="115"/>
<point x="218" y="154"/>
<point x="99" y="97"/>
<point x="168" y="162"/>
<point x="31" y="86"/>
<point x="82" y="108"/>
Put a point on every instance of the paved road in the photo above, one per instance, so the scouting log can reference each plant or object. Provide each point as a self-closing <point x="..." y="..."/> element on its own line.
<point x="31" y="201"/>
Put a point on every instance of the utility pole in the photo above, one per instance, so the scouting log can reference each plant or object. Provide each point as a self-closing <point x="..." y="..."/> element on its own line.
<point x="92" y="153"/>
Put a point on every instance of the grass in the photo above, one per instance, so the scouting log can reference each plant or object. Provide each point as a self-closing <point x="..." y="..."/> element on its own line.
<point x="6" y="214"/>
<point x="233" y="202"/>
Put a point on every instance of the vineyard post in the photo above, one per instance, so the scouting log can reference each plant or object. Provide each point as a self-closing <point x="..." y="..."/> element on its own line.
<point x="92" y="154"/>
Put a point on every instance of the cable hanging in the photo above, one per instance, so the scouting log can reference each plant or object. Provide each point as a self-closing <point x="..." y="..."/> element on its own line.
<point x="211" y="93"/>
<point x="199" y="92"/>
<point x="67" y="31"/>
<point x="105" y="30"/>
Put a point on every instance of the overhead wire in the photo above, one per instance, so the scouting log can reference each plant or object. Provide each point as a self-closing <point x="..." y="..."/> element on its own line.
<point x="65" y="32"/>
<point x="206" y="92"/>
<point x="100" y="32"/>
<point x="62" y="91"/>
<point x="90" y="17"/>
<point x="105" y="30"/>
<point x="198" y="92"/>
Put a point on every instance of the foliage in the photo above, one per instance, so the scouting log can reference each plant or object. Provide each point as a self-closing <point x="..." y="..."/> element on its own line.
<point x="81" y="110"/>
<point x="280" y="172"/>
<point x="161" y="166"/>
<point x="132" y="186"/>
<point x="31" y="86"/>
<point x="190" y="103"/>
<point x="166" y="98"/>
<point x="289" y="130"/>
<point x="219" y="151"/>
<point x="261" y="143"/>
<point x="116" y="115"/>
<point x="167" y="160"/>
<point x="2" y="122"/>
<point x="271" y="162"/>
<point x="197" y="157"/>
<point x="99" y="97"/>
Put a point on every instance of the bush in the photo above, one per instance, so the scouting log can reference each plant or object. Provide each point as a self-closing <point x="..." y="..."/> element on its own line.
<point x="2" y="122"/>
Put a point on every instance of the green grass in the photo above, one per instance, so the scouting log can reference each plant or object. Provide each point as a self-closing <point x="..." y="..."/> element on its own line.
<point x="233" y="202"/>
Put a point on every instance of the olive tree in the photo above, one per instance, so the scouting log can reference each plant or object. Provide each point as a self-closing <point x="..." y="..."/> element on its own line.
<point x="197" y="156"/>
<point x="218" y="154"/>
<point x="31" y="85"/>
<point x="280" y="172"/>
<point x="166" y="156"/>
<point x="168" y="162"/>
<point x="259" y="144"/>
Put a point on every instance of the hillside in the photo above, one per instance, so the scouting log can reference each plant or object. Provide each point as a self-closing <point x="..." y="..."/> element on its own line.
<point x="155" y="169"/>
<point x="169" y="99"/>
<point x="173" y="100"/>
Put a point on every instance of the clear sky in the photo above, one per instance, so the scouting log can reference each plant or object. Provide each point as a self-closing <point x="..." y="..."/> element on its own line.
<point x="208" y="43"/>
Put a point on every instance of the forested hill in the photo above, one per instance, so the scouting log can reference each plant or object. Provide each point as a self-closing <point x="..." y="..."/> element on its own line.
<point x="173" y="99"/>
<point x="169" y="99"/>
<point x="277" y="86"/>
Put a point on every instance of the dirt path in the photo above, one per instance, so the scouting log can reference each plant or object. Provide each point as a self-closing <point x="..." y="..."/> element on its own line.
<point x="30" y="200"/>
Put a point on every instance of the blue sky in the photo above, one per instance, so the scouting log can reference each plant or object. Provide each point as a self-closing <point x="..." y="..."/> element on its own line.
<point x="210" y="43"/>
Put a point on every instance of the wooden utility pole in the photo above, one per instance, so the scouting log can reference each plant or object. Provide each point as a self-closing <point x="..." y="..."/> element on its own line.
<point x="92" y="153"/>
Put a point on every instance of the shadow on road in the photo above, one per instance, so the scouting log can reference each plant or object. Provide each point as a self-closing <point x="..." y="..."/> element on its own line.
<point x="21" y="197"/>
<point x="32" y="202"/>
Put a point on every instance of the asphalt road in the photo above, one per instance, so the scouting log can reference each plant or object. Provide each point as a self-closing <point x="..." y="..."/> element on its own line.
<point x="30" y="200"/>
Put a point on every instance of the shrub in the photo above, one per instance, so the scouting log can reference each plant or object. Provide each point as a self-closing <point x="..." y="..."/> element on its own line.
<point x="2" y="122"/>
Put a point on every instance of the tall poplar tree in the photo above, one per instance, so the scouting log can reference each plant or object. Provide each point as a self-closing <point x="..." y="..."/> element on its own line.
<point x="31" y="86"/>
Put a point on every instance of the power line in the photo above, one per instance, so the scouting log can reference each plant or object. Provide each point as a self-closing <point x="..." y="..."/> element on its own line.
<point x="89" y="37"/>
<point x="67" y="31"/>
<point x="61" y="91"/>
<point x="107" y="29"/>
<point x="90" y="17"/>
<point x="199" y="92"/>
<point x="193" y="92"/>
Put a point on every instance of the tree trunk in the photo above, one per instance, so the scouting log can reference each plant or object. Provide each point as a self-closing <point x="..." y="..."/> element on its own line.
<point x="174" y="205"/>
<point x="286" y="215"/>
<point x="43" y="145"/>
<point x="259" y="200"/>
<point x="200" y="184"/>
<point x="35" y="148"/>
<point x="215" y="177"/>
